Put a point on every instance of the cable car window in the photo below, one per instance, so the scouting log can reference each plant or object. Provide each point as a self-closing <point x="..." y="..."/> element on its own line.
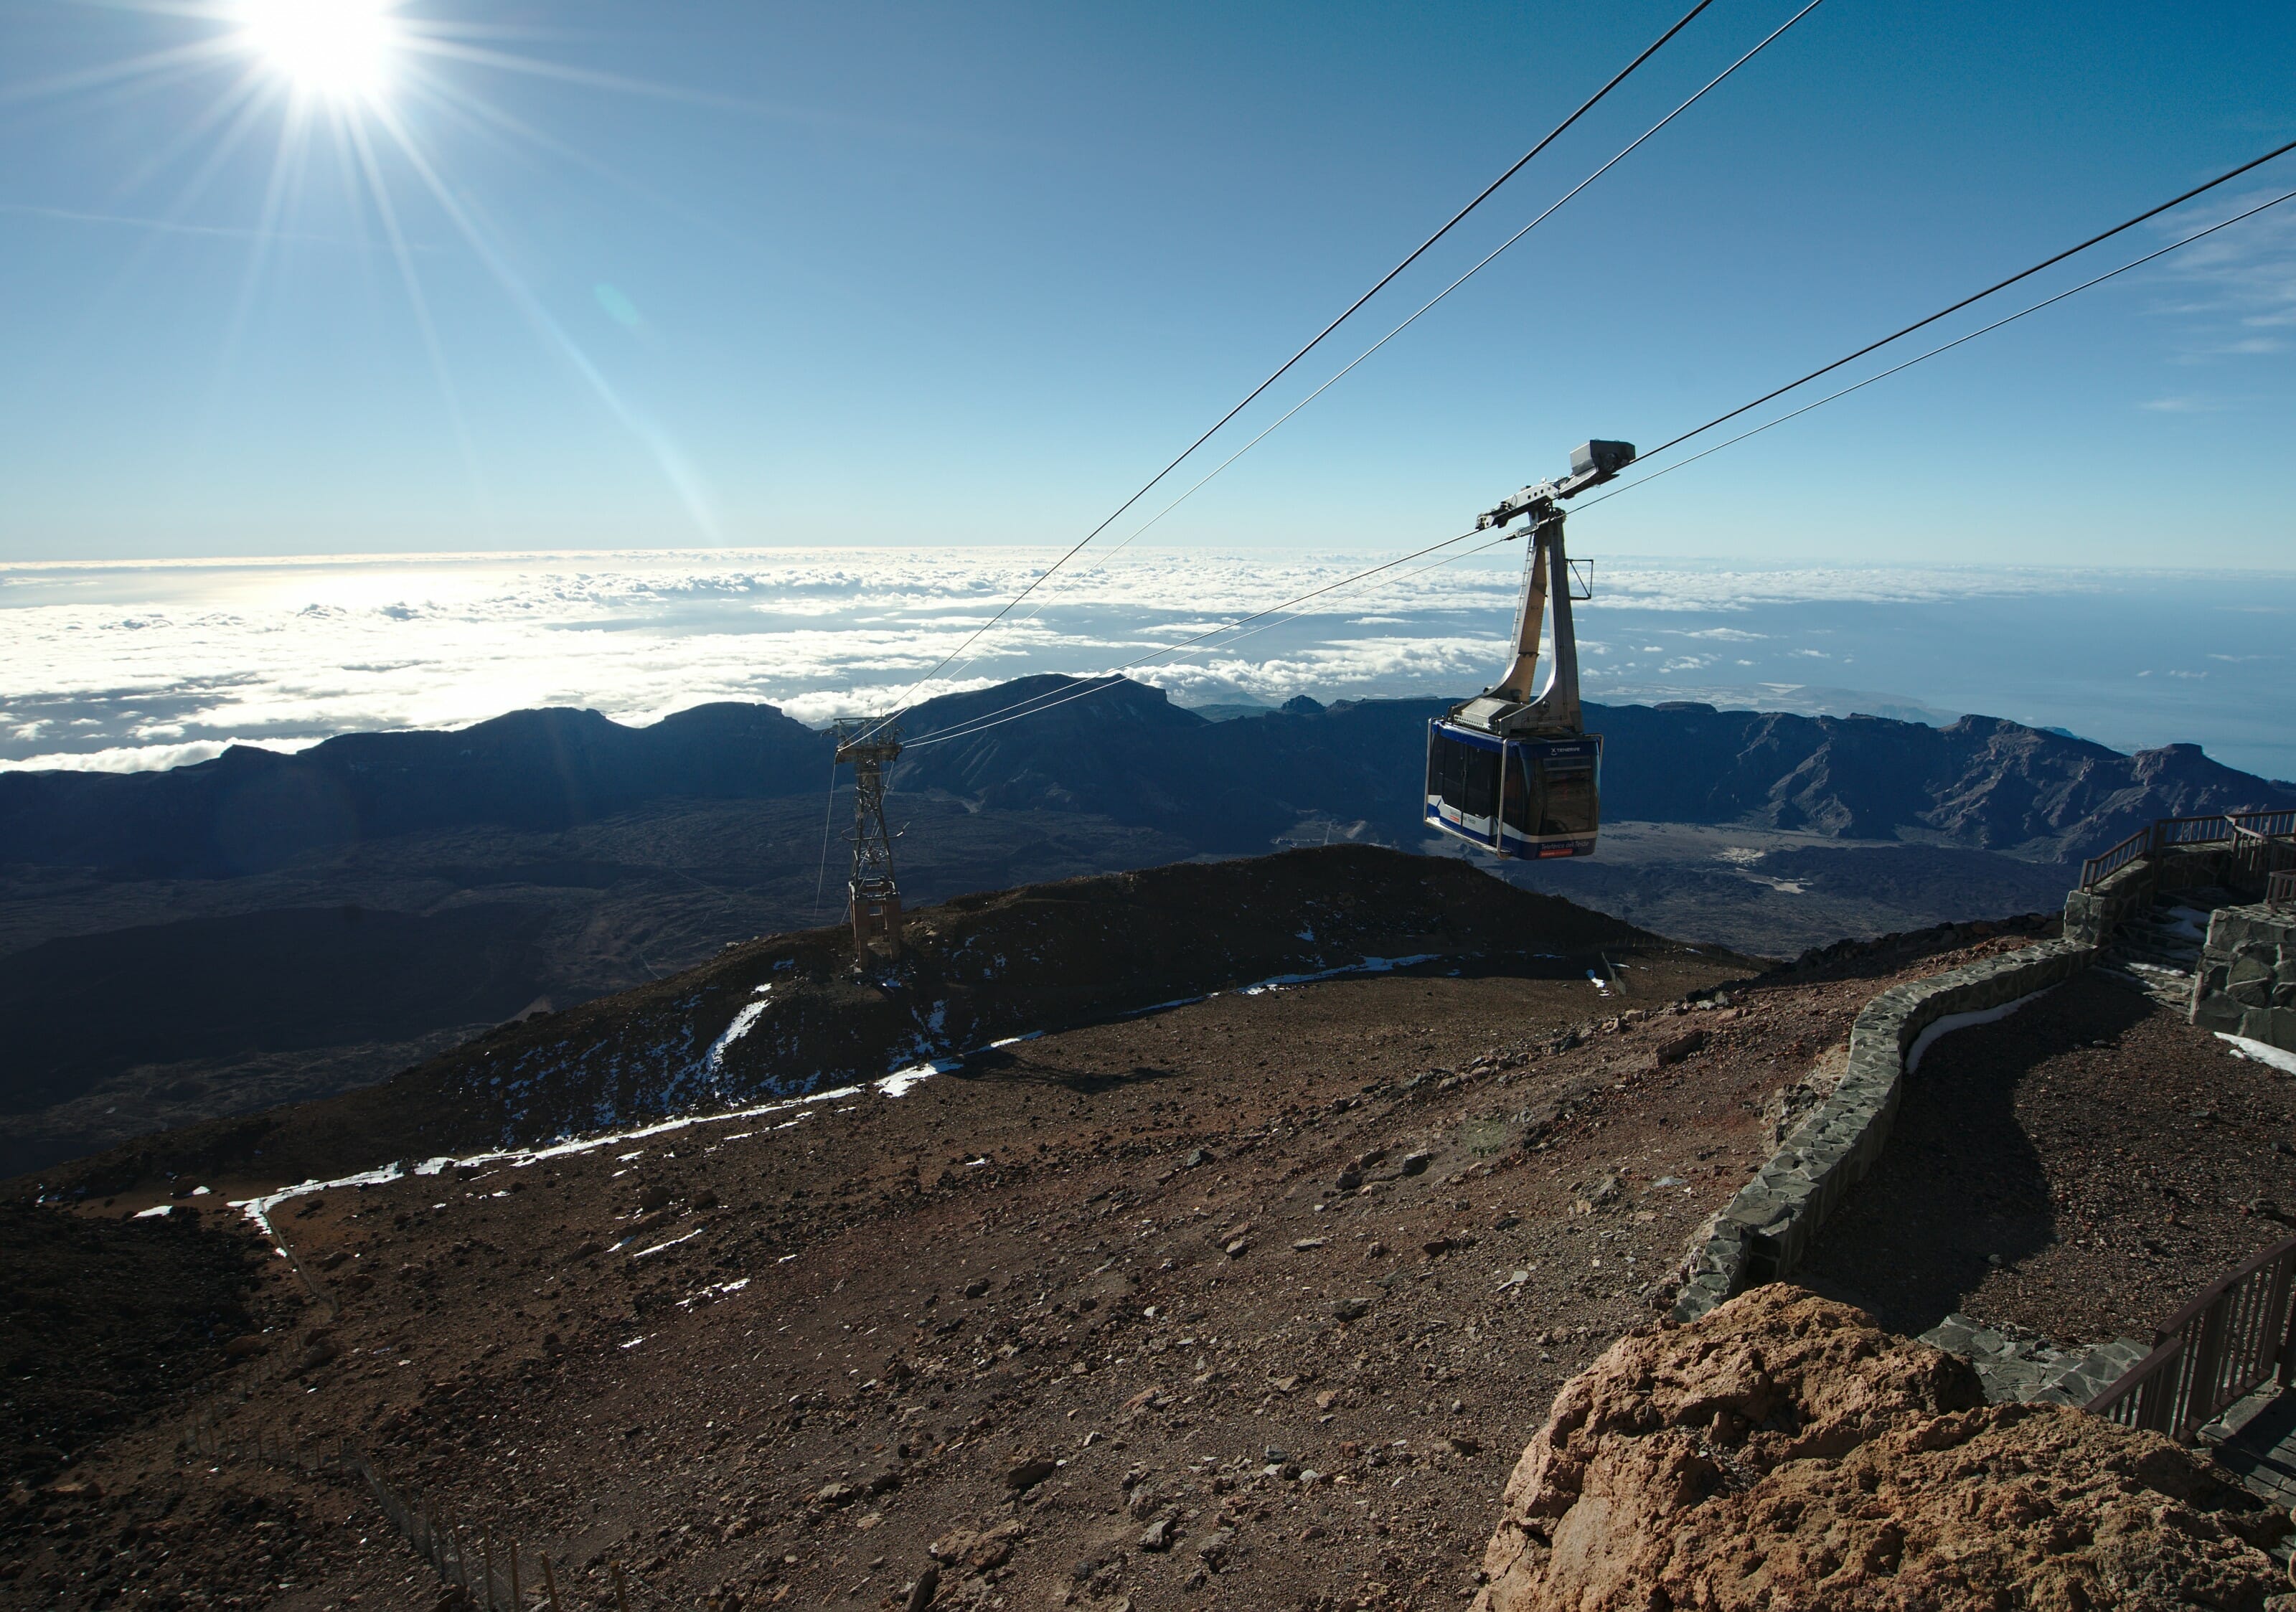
<point x="1567" y="801"/>
<point x="1523" y="792"/>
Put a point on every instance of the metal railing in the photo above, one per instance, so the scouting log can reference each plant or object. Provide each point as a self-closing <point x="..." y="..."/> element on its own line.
<point x="2248" y="831"/>
<point x="2212" y="1352"/>
<point x="2097" y="869"/>
<point x="2280" y="890"/>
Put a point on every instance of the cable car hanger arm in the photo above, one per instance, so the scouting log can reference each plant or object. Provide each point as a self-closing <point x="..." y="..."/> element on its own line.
<point x="1592" y="463"/>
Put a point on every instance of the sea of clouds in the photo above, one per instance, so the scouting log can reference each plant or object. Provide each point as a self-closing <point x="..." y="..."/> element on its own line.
<point x="133" y="665"/>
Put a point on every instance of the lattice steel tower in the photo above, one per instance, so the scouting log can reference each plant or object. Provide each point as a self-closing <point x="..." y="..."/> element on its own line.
<point x="873" y="900"/>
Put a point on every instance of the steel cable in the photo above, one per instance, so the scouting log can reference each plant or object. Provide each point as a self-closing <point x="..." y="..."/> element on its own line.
<point x="1038" y="704"/>
<point x="1423" y="308"/>
<point x="1999" y="285"/>
<point x="1418" y="251"/>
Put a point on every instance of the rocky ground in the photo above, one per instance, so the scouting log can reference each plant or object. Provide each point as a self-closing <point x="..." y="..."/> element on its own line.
<point x="1246" y="1302"/>
<point x="1784" y="1453"/>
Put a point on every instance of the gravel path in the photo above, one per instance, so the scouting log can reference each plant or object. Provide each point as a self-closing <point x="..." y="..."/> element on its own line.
<point x="2081" y="1167"/>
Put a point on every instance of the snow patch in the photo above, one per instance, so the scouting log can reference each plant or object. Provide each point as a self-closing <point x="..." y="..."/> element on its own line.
<point x="672" y="1243"/>
<point x="739" y="1027"/>
<point x="155" y="1211"/>
<point x="258" y="1209"/>
<point x="1369" y="965"/>
<point x="1962" y="1021"/>
<point x="2258" y="1051"/>
<point x="901" y="1081"/>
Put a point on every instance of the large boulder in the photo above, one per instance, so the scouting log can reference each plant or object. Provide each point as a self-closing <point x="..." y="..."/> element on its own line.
<point x="1784" y="1452"/>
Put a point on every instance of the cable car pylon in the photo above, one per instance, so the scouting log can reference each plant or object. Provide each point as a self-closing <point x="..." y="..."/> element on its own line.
<point x="874" y="899"/>
<point x="1514" y="771"/>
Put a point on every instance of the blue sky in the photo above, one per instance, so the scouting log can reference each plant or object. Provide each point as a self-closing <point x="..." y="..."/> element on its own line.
<point x="747" y="274"/>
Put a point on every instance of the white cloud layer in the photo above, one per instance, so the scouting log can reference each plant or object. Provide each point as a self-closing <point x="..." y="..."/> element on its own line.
<point x="126" y="666"/>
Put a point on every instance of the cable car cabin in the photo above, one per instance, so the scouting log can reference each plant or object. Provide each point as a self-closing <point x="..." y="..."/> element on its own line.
<point x="1528" y="797"/>
<point x="1513" y="769"/>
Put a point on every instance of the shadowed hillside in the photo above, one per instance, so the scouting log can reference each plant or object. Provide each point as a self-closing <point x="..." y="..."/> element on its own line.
<point x="287" y="927"/>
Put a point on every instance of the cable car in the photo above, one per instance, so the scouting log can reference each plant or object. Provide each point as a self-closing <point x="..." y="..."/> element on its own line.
<point x="1513" y="771"/>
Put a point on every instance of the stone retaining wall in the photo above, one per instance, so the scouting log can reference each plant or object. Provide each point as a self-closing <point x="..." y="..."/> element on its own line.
<point x="2246" y="983"/>
<point x="1764" y="1232"/>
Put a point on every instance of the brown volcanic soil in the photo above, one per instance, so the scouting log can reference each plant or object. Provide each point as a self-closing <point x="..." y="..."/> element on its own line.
<point x="2111" y="1158"/>
<point x="108" y="1321"/>
<point x="906" y="1296"/>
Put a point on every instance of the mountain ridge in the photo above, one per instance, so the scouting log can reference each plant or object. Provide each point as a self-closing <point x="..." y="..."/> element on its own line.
<point x="1125" y="752"/>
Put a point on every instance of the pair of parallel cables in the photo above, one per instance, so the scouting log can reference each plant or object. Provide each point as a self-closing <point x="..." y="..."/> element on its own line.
<point x="1045" y="702"/>
<point x="1232" y="631"/>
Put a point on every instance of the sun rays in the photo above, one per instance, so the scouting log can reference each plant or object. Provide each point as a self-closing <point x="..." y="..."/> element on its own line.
<point x="336" y="48"/>
<point x="360" y="104"/>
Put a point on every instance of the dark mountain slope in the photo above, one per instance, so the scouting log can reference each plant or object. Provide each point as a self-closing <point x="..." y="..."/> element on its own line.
<point x="790" y="1014"/>
<point x="250" y="809"/>
<point x="80" y="1007"/>
<point x="1125" y="754"/>
<point x="1984" y="783"/>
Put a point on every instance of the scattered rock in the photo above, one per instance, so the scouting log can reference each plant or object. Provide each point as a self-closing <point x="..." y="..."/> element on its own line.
<point x="1029" y="1474"/>
<point x="1674" y="1048"/>
<point x="1197" y="1158"/>
<point x="984" y="1551"/>
<point x="837" y="1493"/>
<point x="927" y="1586"/>
<point x="1349" y="1309"/>
<point x="1159" y="1535"/>
<point x="654" y="1198"/>
<point x="1306" y="1243"/>
<point x="1414" y="1163"/>
<point x="1216" y="1548"/>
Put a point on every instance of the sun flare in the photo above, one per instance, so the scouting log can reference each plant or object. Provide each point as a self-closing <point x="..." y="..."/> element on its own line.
<point x="337" y="48"/>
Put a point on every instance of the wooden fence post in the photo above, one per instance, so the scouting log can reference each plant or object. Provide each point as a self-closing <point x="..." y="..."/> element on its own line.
<point x="515" y="1599"/>
<point x="621" y="1594"/>
<point x="550" y="1581"/>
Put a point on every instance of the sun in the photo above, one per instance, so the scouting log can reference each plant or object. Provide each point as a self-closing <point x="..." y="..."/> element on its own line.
<point x="341" y="49"/>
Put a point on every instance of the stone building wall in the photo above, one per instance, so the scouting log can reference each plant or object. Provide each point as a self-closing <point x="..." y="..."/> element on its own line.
<point x="2246" y="982"/>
